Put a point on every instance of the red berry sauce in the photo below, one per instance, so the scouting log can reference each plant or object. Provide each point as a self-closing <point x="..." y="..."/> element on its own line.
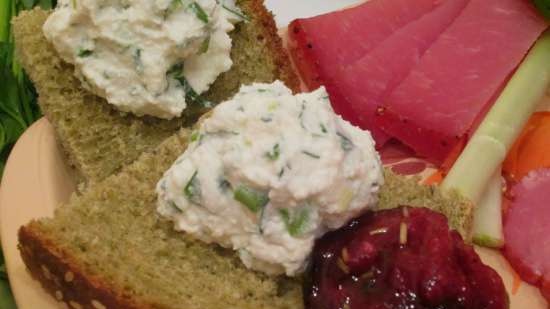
<point x="404" y="258"/>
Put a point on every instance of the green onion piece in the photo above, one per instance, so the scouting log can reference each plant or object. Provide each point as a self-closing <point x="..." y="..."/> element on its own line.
<point x="495" y="136"/>
<point x="323" y="128"/>
<point x="274" y="153"/>
<point x="250" y="198"/>
<point x="199" y="12"/>
<point x="295" y="223"/>
<point x="311" y="154"/>
<point x="345" y="142"/>
<point x="192" y="189"/>
<point x="204" y="46"/>
<point x="83" y="53"/>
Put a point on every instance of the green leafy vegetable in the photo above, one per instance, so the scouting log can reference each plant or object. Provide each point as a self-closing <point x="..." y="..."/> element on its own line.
<point x="250" y="198"/>
<point x="295" y="222"/>
<point x="192" y="189"/>
<point x="543" y="6"/>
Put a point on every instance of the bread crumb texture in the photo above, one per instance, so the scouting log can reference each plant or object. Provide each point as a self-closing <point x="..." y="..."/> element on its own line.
<point x="120" y="253"/>
<point x="97" y="138"/>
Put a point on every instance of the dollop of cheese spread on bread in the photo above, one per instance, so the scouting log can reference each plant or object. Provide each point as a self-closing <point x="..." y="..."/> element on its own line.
<point x="269" y="172"/>
<point x="148" y="57"/>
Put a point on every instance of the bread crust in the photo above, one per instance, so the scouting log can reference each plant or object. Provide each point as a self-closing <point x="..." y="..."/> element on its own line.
<point x="60" y="276"/>
<point x="284" y="68"/>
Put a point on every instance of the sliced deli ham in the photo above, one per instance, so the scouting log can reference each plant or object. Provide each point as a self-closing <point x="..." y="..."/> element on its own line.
<point x="436" y="106"/>
<point x="364" y="84"/>
<point x="526" y="230"/>
<point x="321" y="44"/>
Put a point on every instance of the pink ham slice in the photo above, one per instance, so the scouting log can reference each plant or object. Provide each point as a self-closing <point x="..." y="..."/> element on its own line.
<point x="435" y="107"/>
<point x="321" y="44"/>
<point x="364" y="84"/>
<point x="526" y="230"/>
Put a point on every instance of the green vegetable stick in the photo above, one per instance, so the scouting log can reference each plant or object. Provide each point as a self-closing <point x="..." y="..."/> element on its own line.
<point x="495" y="136"/>
<point x="487" y="229"/>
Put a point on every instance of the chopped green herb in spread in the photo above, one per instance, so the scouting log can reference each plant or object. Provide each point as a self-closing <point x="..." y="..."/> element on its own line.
<point x="345" y="142"/>
<point x="311" y="154"/>
<point x="296" y="222"/>
<point x="205" y="45"/>
<point x="274" y="153"/>
<point x="250" y="198"/>
<point x="83" y="53"/>
<point x="199" y="12"/>
<point x="192" y="189"/>
<point x="235" y="11"/>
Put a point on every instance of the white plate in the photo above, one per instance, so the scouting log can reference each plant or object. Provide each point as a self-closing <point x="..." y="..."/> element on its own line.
<point x="36" y="180"/>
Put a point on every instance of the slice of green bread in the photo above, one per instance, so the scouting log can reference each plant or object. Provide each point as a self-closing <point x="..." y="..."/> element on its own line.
<point x="108" y="248"/>
<point x="98" y="139"/>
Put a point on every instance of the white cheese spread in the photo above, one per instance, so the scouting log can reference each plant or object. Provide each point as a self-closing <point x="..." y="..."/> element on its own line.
<point x="145" y="56"/>
<point x="269" y="172"/>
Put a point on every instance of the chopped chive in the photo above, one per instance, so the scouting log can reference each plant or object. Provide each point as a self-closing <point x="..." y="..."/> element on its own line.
<point x="237" y="13"/>
<point x="204" y="45"/>
<point x="174" y="206"/>
<point x="261" y="221"/>
<point x="174" y="5"/>
<point x="307" y="153"/>
<point x="191" y="96"/>
<point x="136" y="56"/>
<point x="274" y="153"/>
<point x="266" y="119"/>
<point x="296" y="223"/>
<point x="323" y="128"/>
<point x="83" y="52"/>
<point x="272" y="106"/>
<point x="345" y="142"/>
<point x="175" y="71"/>
<point x="224" y="184"/>
<point x="281" y="172"/>
<point x="250" y="198"/>
<point x="199" y="12"/>
<point x="192" y="189"/>
<point x="301" y="116"/>
<point x="195" y="136"/>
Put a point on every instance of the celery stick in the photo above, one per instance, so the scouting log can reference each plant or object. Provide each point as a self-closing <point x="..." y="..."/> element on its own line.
<point x="490" y="143"/>
<point x="487" y="229"/>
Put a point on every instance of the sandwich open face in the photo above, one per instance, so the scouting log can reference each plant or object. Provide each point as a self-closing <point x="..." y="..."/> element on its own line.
<point x="97" y="138"/>
<point x="266" y="202"/>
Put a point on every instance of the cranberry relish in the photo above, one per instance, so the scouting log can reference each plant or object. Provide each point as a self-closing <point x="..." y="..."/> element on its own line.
<point x="402" y="258"/>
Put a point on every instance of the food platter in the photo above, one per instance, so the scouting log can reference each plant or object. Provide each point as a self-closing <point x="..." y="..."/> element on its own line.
<point x="37" y="180"/>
